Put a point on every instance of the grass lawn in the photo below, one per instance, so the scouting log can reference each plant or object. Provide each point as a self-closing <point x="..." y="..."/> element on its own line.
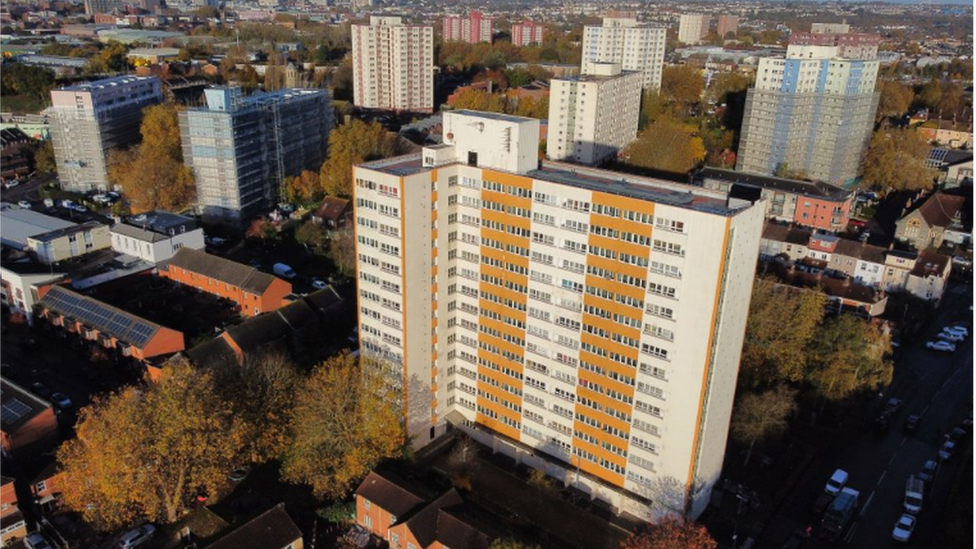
<point x="21" y="104"/>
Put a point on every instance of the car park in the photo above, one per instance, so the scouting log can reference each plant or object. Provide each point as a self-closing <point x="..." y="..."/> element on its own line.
<point x="903" y="528"/>
<point x="948" y="448"/>
<point x="137" y="536"/>
<point x="36" y="541"/>
<point x="61" y="400"/>
<point x="911" y="423"/>
<point x="836" y="483"/>
<point x="941" y="346"/>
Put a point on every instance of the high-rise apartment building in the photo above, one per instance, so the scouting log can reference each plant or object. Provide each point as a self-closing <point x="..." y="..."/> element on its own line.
<point x="589" y="322"/>
<point x="692" y="27"/>
<point x="593" y="116"/>
<point x="623" y="40"/>
<point x="806" y="45"/>
<point x="811" y="113"/>
<point x="727" y="24"/>
<point x="830" y="28"/>
<point x="473" y="28"/>
<point x="91" y="118"/>
<point x="108" y="6"/>
<point x="527" y="33"/>
<point x="393" y="65"/>
<point x="242" y="148"/>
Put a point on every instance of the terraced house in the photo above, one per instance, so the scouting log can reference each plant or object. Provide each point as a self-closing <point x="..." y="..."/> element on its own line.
<point x="587" y="322"/>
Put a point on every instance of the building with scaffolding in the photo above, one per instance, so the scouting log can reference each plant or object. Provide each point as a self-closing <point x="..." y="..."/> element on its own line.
<point x="242" y="148"/>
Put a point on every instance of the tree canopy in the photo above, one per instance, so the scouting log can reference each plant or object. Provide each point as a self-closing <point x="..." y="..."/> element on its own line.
<point x="667" y="144"/>
<point x="848" y="356"/>
<point x="351" y="144"/>
<point x="895" y="161"/>
<point x="671" y="532"/>
<point x="19" y="79"/>
<point x="895" y="100"/>
<point x="760" y="415"/>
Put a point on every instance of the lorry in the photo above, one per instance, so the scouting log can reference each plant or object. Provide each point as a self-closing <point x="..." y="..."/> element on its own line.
<point x="284" y="271"/>
<point x="840" y="514"/>
<point x="914" y="492"/>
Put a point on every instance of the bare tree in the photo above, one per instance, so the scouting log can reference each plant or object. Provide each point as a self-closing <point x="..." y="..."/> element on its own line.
<point x="761" y="415"/>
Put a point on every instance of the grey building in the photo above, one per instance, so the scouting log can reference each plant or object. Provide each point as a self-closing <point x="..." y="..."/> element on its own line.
<point x="242" y="148"/>
<point x="93" y="117"/>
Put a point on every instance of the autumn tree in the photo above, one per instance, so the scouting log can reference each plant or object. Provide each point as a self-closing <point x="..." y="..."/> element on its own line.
<point x="758" y="416"/>
<point x="147" y="452"/>
<point x="260" y="392"/>
<point x="895" y="161"/>
<point x="152" y="174"/>
<point x="480" y="100"/>
<point x="346" y="419"/>
<point x="668" y="144"/>
<point x="463" y="462"/>
<point x="671" y="532"/>
<point x="782" y="322"/>
<point x="351" y="144"/>
<point x="895" y="100"/>
<point x="532" y="108"/>
<point x="44" y="160"/>
<point x="725" y="84"/>
<point x="511" y="543"/>
<point x="342" y="250"/>
<point x="682" y="86"/>
<point x="312" y="235"/>
<point x="848" y="356"/>
<point x="303" y="188"/>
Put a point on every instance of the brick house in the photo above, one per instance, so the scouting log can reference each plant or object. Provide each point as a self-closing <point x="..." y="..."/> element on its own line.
<point x="45" y="487"/>
<point x="334" y="213"/>
<point x="926" y="226"/>
<point x="255" y="292"/>
<point x="12" y="525"/>
<point x="272" y="529"/>
<point x="28" y="426"/>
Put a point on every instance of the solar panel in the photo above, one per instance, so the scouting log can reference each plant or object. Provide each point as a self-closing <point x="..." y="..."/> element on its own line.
<point x="106" y="319"/>
<point x="13" y="410"/>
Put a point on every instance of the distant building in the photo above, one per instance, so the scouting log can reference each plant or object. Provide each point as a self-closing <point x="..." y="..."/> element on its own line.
<point x="623" y="40"/>
<point x="155" y="236"/>
<point x="93" y="117"/>
<point x="727" y="24"/>
<point x="473" y="28"/>
<point x="242" y="148"/>
<point x="594" y="116"/>
<point x="15" y="146"/>
<point x="255" y="292"/>
<point x="393" y="65"/>
<point x="948" y="133"/>
<point x="830" y="28"/>
<point x="50" y="239"/>
<point x="527" y="33"/>
<point x="334" y="213"/>
<point x="809" y="115"/>
<point x="106" y="6"/>
<point x="955" y="166"/>
<point x="692" y="28"/>
<point x="153" y="55"/>
<point x="811" y="204"/>
<point x="28" y="426"/>
<point x="849" y="46"/>
<point x="485" y="85"/>
<point x="272" y="529"/>
<point x="925" y="226"/>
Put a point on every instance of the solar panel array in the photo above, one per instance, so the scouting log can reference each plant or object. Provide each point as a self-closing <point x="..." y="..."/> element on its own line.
<point x="121" y="325"/>
<point x="13" y="410"/>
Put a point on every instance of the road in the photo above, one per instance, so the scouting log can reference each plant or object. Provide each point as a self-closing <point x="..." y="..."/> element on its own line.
<point x="27" y="191"/>
<point x="936" y="386"/>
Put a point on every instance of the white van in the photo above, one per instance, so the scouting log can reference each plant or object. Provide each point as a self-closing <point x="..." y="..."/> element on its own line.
<point x="284" y="271"/>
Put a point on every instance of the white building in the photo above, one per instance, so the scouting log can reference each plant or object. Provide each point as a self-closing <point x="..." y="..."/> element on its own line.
<point x="20" y="283"/>
<point x="393" y="65"/>
<point x="587" y="323"/>
<point x="622" y="40"/>
<point x="692" y="27"/>
<point x="93" y="117"/>
<point x="830" y="28"/>
<point x="593" y="116"/>
<point x="156" y="236"/>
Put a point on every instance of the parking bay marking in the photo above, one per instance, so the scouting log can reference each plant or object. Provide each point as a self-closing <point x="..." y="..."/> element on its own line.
<point x="879" y="480"/>
<point x="866" y="504"/>
<point x="850" y="533"/>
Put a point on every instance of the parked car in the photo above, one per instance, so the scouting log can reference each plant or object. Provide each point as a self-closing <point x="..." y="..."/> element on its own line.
<point x="48" y="203"/>
<point x="954" y="337"/>
<point x="821" y="503"/>
<point x="948" y="448"/>
<point x="36" y="541"/>
<point x="284" y="271"/>
<point x="40" y="389"/>
<point x="893" y="406"/>
<point x="11" y="184"/>
<point x="319" y="284"/>
<point x="957" y="434"/>
<point x="836" y="483"/>
<point x="215" y="241"/>
<point x="882" y="422"/>
<point x="79" y="208"/>
<point x="929" y="469"/>
<point x="61" y="400"/>
<point x="137" y="536"/>
<point x="941" y="346"/>
<point x="903" y="528"/>
<point x="286" y="208"/>
<point x="957" y="328"/>
<point x="911" y="424"/>
<point x="24" y="204"/>
<point x="68" y="204"/>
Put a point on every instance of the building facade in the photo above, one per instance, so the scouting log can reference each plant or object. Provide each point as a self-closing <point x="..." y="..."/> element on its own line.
<point x="473" y="28"/>
<point x="622" y="40"/>
<point x="75" y="241"/>
<point x="393" y="65"/>
<point x="241" y="149"/>
<point x="593" y="116"/>
<point x="552" y="310"/>
<point x="692" y="27"/>
<point x="527" y="33"/>
<point x="156" y="236"/>
<point x="93" y="117"/>
<point x="926" y="224"/>
<point x="809" y="116"/>
<point x="727" y="24"/>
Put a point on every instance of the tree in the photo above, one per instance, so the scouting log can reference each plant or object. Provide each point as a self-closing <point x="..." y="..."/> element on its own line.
<point x="479" y="100"/>
<point x="533" y="108"/>
<point x="671" y="533"/>
<point x="725" y="84"/>
<point x="782" y="322"/>
<point x="152" y="175"/>
<point x="667" y="145"/>
<point x="758" y="416"/>
<point x="346" y="419"/>
<point x="44" y="160"/>
<point x="682" y="86"/>
<point x="895" y="161"/>
<point x="342" y="81"/>
<point x="930" y="94"/>
<point x="351" y="144"/>
<point x="463" y="462"/>
<point x="18" y="79"/>
<point x="312" y="235"/>
<point x="653" y="107"/>
<point x="146" y="453"/>
<point x="303" y="188"/>
<point x="848" y="355"/>
<point x="895" y="100"/>
<point x="511" y="543"/>
<point x="342" y="250"/>
<point x="260" y="392"/>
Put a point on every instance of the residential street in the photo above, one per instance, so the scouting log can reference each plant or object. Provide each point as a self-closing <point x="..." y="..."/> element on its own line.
<point x="934" y="385"/>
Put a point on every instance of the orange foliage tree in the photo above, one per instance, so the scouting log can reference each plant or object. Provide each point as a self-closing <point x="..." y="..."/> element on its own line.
<point x="671" y="533"/>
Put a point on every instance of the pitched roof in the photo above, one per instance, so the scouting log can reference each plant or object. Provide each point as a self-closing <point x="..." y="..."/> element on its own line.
<point x="109" y="320"/>
<point x="143" y="235"/>
<point x="390" y="496"/>
<point x="224" y="270"/>
<point x="424" y="524"/>
<point x="463" y="527"/>
<point x="930" y="263"/>
<point x="273" y="529"/>
<point x="861" y="250"/>
<point x="941" y="210"/>
<point x="19" y="406"/>
<point x="331" y="208"/>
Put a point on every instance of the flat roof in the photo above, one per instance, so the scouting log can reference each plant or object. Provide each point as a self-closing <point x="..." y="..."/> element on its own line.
<point x="493" y="115"/>
<point x="18" y="224"/>
<point x="817" y="189"/>
<point x="593" y="179"/>
<point x="106" y="83"/>
<point x="67" y="231"/>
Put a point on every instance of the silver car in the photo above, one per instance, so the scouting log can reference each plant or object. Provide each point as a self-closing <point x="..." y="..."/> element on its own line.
<point x="137" y="536"/>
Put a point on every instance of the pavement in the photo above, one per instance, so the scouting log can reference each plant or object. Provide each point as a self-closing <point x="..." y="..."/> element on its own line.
<point x="936" y="386"/>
